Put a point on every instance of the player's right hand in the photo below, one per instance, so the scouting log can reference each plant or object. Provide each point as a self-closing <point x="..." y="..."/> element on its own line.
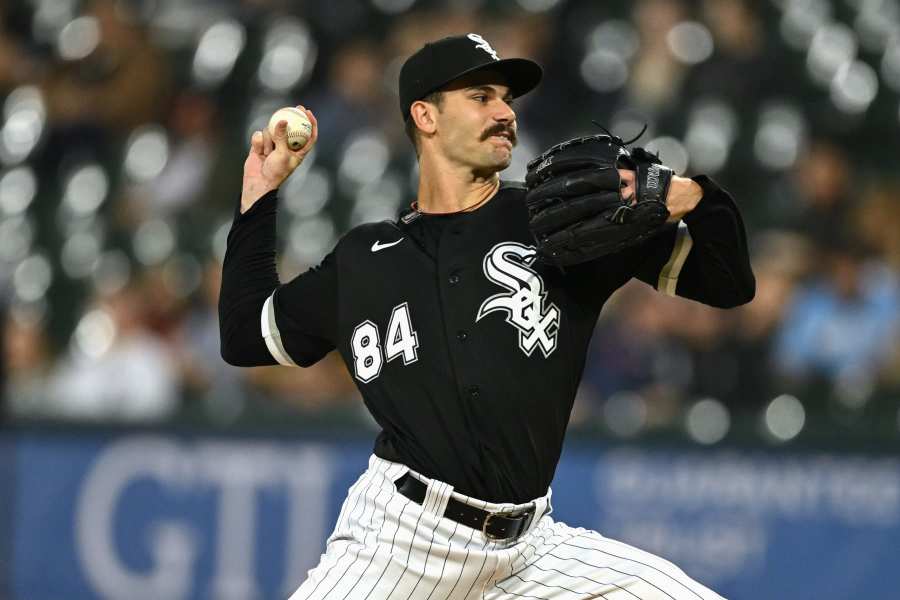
<point x="270" y="160"/>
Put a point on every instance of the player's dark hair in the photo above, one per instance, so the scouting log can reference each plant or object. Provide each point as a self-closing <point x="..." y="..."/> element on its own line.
<point x="412" y="132"/>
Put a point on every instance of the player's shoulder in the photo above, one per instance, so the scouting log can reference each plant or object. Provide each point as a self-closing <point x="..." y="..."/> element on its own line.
<point x="366" y="234"/>
<point x="512" y="193"/>
<point x="514" y="189"/>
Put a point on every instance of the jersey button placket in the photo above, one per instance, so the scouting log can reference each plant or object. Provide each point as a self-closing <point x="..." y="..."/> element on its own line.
<point x="456" y="320"/>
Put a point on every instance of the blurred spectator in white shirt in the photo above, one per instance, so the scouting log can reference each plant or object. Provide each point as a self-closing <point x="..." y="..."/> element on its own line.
<point x="116" y="369"/>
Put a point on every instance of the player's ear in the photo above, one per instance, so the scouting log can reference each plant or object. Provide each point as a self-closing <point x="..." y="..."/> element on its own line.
<point x="423" y="113"/>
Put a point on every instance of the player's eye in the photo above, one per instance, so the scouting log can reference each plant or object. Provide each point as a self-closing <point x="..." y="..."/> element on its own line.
<point x="480" y="98"/>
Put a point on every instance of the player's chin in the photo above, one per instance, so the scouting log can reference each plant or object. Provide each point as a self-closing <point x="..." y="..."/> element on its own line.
<point x="489" y="167"/>
<point x="500" y="157"/>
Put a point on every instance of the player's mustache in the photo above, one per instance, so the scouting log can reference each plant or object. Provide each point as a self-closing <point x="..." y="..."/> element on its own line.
<point x="498" y="129"/>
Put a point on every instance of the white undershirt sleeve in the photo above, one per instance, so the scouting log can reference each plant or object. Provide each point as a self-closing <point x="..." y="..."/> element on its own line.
<point x="271" y="334"/>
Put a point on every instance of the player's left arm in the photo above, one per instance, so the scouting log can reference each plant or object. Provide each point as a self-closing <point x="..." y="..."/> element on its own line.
<point x="702" y="254"/>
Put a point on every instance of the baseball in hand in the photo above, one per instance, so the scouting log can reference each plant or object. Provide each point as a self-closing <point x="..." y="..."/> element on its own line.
<point x="298" y="126"/>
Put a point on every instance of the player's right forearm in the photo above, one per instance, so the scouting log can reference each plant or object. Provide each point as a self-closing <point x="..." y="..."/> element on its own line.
<point x="252" y="193"/>
<point x="249" y="277"/>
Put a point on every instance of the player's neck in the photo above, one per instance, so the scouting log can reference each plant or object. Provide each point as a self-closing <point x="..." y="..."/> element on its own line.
<point x="447" y="189"/>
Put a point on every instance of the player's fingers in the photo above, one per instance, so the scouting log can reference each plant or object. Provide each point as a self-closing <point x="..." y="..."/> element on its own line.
<point x="626" y="176"/>
<point x="313" y="135"/>
<point x="315" y="125"/>
<point x="268" y="144"/>
<point x="256" y="142"/>
<point x="280" y="137"/>
<point x="626" y="181"/>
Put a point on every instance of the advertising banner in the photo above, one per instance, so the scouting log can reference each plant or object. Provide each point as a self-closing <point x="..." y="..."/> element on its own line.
<point x="159" y="516"/>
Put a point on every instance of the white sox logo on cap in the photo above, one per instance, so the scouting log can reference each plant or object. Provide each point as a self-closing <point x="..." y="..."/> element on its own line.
<point x="442" y="61"/>
<point x="482" y="44"/>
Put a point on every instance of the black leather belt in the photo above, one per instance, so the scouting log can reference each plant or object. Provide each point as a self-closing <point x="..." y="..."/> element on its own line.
<point x="494" y="525"/>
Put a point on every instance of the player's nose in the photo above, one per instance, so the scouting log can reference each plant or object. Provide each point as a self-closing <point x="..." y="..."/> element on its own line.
<point x="504" y="113"/>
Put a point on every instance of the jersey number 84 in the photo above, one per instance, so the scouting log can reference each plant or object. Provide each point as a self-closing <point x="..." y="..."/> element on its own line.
<point x="401" y="340"/>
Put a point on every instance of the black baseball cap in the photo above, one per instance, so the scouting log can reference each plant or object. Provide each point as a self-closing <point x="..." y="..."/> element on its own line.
<point x="438" y="63"/>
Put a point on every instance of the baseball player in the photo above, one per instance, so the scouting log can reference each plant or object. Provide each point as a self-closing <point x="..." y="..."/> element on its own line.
<point x="466" y="349"/>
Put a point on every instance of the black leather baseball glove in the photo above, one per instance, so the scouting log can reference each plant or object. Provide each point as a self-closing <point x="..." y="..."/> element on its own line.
<point x="576" y="211"/>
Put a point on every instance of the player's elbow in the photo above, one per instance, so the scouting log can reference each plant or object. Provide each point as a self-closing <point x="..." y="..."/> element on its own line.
<point x="232" y="356"/>
<point x="228" y="349"/>
<point x="237" y="354"/>
<point x="240" y="340"/>
<point x="746" y="289"/>
<point x="741" y="293"/>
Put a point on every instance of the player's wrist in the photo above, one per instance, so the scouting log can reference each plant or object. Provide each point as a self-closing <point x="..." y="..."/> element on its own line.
<point x="253" y="193"/>
<point x="683" y="197"/>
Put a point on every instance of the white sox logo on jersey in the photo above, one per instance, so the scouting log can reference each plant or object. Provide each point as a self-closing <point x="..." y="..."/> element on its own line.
<point x="508" y="264"/>
<point x="483" y="45"/>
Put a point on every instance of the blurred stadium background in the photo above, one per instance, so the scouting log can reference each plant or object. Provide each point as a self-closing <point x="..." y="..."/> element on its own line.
<point x="756" y="447"/>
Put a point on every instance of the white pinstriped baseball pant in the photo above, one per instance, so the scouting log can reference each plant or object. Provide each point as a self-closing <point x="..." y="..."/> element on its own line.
<point x="386" y="547"/>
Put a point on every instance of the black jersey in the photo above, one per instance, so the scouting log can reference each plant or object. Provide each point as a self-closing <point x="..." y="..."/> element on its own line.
<point x="466" y="351"/>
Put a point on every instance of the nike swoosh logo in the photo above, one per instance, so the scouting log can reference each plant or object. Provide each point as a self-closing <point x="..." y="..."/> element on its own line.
<point x="379" y="246"/>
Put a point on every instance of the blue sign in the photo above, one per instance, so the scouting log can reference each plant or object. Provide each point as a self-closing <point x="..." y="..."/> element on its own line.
<point x="166" y="517"/>
<point x="749" y="524"/>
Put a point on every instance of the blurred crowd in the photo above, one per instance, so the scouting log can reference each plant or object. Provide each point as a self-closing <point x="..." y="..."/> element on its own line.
<point x="122" y="138"/>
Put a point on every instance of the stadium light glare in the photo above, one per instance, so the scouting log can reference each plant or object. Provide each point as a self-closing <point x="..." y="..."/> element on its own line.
<point x="801" y="20"/>
<point x="625" y="414"/>
<point x="32" y="277"/>
<point x="779" y="136"/>
<point x="854" y="87"/>
<point x="94" y="334"/>
<point x="78" y="38"/>
<point x="890" y="65"/>
<point x="305" y="196"/>
<point x="364" y="159"/>
<point x="79" y="253"/>
<point x="690" y="42"/>
<point x="604" y="71"/>
<point x="16" y="237"/>
<point x="153" y="242"/>
<point x="377" y="200"/>
<point x="707" y="421"/>
<point x="309" y="239"/>
<point x="18" y="188"/>
<point x="832" y="47"/>
<point x="85" y="189"/>
<point x="784" y="418"/>
<point x="616" y="36"/>
<point x="217" y="52"/>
